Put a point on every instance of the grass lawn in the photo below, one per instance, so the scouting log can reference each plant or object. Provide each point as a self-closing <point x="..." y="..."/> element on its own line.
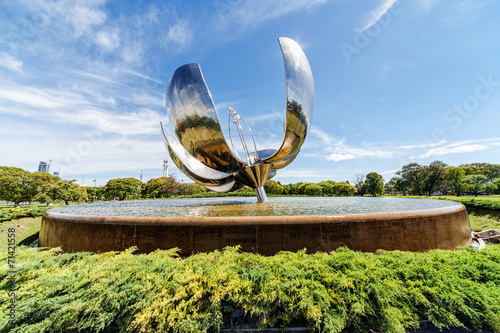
<point x="484" y="219"/>
<point x="25" y="227"/>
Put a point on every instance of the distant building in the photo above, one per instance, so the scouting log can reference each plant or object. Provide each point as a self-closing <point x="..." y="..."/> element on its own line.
<point x="44" y="166"/>
<point x="56" y="173"/>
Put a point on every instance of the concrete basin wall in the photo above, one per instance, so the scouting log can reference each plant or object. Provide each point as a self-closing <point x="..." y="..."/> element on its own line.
<point x="419" y="230"/>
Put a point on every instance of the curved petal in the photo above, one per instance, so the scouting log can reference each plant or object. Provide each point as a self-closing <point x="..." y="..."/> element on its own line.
<point x="299" y="102"/>
<point x="212" y="179"/>
<point x="217" y="185"/>
<point x="194" y="119"/>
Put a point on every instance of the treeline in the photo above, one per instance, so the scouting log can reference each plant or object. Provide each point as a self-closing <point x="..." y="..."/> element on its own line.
<point x="372" y="184"/>
<point x="18" y="185"/>
<point x="132" y="188"/>
<point x="442" y="179"/>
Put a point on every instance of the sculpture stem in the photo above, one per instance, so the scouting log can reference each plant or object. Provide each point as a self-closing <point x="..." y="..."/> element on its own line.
<point x="261" y="194"/>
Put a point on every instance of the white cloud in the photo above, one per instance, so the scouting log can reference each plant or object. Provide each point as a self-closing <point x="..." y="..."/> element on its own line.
<point x="340" y="157"/>
<point x="454" y="148"/>
<point x="337" y="150"/>
<point x="247" y="14"/>
<point x="266" y="117"/>
<point x="324" y="137"/>
<point x="35" y="97"/>
<point x="142" y="121"/>
<point x="372" y="17"/>
<point x="423" y="145"/>
<point x="152" y="15"/>
<point x="389" y="171"/>
<point x="108" y="40"/>
<point x="9" y="62"/>
<point x="132" y="52"/>
<point x="144" y="76"/>
<point x="82" y="15"/>
<point x="179" y="35"/>
<point x="464" y="146"/>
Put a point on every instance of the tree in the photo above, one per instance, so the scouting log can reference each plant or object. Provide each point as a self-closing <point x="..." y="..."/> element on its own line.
<point x="312" y="190"/>
<point x="327" y="187"/>
<point x="192" y="188"/>
<point x="36" y="183"/>
<point x="493" y="187"/>
<point x="273" y="187"/>
<point x="399" y="184"/>
<point x="359" y="183"/>
<point x="344" y="189"/>
<point x="162" y="187"/>
<point x="123" y="188"/>
<point x="286" y="189"/>
<point x="435" y="175"/>
<point x="476" y="181"/>
<point x="492" y="172"/>
<point x="413" y="173"/>
<point x="62" y="189"/>
<point x="374" y="183"/>
<point x="14" y="185"/>
<point x="472" y="168"/>
<point x="390" y="188"/>
<point x="302" y="187"/>
<point x="246" y="190"/>
<point x="456" y="176"/>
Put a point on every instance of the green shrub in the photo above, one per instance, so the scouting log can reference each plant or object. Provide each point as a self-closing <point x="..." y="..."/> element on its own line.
<point x="476" y="203"/>
<point x="341" y="291"/>
<point x="7" y="214"/>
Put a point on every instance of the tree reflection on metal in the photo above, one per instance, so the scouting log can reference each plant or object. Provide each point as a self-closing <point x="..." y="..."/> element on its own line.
<point x="199" y="149"/>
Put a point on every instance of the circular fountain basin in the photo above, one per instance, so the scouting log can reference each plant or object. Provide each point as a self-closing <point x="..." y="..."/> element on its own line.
<point x="281" y="224"/>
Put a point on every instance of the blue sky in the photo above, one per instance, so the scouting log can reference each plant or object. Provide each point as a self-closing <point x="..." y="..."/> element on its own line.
<point x="83" y="82"/>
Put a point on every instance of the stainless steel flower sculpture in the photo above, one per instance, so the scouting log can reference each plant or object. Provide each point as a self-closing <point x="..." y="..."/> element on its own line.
<point x="198" y="147"/>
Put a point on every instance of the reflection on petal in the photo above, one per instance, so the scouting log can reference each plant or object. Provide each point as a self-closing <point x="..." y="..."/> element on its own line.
<point x="195" y="121"/>
<point x="299" y="101"/>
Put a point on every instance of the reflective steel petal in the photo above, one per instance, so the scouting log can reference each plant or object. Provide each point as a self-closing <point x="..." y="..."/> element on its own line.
<point x="192" y="164"/>
<point x="217" y="181"/>
<point x="194" y="120"/>
<point x="299" y="102"/>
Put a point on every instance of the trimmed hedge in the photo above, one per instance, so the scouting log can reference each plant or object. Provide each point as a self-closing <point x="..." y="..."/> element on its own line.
<point x="341" y="291"/>
<point x="7" y="214"/>
<point x="476" y="203"/>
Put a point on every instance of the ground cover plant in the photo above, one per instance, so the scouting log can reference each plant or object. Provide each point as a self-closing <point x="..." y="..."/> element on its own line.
<point x="9" y="213"/>
<point x="486" y="202"/>
<point x="341" y="291"/>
